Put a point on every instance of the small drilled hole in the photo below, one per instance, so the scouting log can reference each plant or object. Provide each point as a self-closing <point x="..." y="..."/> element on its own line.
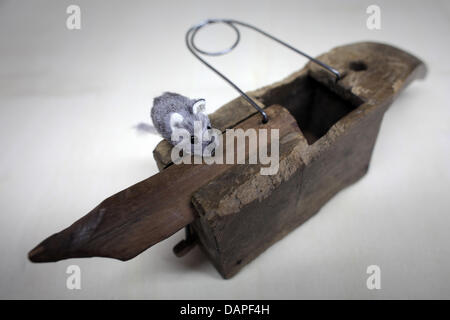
<point x="358" y="66"/>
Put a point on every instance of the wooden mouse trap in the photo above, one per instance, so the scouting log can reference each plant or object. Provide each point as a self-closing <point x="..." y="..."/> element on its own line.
<point x="327" y="131"/>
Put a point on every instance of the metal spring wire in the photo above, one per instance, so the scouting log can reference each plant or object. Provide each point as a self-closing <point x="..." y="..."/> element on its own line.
<point x="190" y="43"/>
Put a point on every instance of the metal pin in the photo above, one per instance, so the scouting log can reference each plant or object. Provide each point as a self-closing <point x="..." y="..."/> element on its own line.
<point x="190" y="43"/>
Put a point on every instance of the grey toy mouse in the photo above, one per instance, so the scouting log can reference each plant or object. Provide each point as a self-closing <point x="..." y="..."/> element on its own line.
<point x="172" y="112"/>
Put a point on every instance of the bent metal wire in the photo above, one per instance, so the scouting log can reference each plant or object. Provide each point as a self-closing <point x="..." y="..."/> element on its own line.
<point x="190" y="43"/>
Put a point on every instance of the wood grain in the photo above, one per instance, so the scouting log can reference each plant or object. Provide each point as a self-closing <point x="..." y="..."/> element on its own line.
<point x="148" y="212"/>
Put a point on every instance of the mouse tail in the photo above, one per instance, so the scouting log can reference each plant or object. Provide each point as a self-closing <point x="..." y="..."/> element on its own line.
<point x="146" y="128"/>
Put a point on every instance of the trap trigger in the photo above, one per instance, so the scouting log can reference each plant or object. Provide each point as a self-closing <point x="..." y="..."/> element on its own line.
<point x="184" y="246"/>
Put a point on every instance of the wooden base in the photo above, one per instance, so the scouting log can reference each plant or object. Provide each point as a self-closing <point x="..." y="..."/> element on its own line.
<point x="327" y="132"/>
<point x="241" y="213"/>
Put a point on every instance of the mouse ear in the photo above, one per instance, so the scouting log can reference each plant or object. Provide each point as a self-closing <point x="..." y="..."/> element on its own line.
<point x="199" y="106"/>
<point x="175" y="120"/>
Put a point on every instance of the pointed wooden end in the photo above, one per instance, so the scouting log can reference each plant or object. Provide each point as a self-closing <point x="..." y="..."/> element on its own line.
<point x="51" y="249"/>
<point x="35" y="255"/>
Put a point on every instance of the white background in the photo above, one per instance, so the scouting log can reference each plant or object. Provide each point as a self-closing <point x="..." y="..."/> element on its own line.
<point x="69" y="101"/>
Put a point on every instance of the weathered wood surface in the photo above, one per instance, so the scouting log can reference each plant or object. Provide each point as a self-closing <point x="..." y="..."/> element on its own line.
<point x="235" y="212"/>
<point x="242" y="213"/>
<point x="136" y="218"/>
<point x="388" y="71"/>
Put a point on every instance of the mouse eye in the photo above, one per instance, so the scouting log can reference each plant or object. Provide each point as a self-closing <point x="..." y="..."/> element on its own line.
<point x="192" y="139"/>
<point x="208" y="127"/>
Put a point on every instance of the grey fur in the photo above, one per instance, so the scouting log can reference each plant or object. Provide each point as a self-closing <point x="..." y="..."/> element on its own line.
<point x="167" y="104"/>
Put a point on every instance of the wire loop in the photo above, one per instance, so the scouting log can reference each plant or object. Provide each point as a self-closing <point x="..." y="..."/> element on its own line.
<point x="194" y="49"/>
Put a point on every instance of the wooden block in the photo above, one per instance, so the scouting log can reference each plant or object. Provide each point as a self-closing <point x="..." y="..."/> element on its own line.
<point x="328" y="129"/>
<point x="241" y="213"/>
<point x="148" y="212"/>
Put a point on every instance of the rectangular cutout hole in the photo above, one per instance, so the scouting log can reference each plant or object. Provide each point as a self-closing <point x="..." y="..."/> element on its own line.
<point x="314" y="106"/>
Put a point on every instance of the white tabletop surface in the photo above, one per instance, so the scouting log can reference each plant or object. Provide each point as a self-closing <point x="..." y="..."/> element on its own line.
<point x="69" y="101"/>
